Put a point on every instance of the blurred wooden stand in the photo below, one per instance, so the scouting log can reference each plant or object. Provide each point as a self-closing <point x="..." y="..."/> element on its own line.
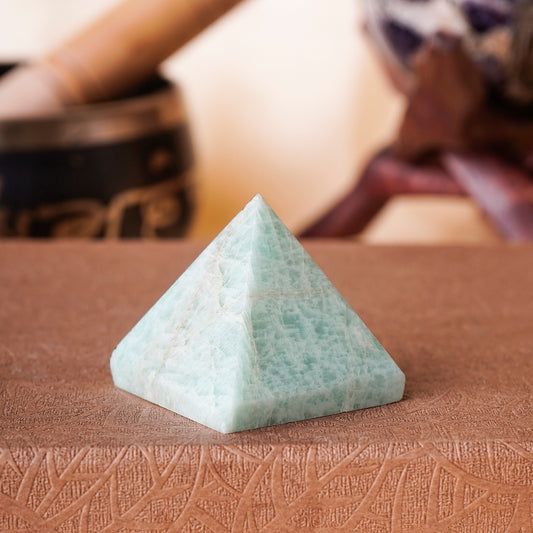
<point x="456" y="138"/>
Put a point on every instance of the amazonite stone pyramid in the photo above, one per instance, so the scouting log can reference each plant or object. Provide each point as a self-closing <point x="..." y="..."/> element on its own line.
<point x="254" y="334"/>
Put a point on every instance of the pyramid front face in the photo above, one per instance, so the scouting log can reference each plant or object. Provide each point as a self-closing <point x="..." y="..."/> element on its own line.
<point x="254" y="334"/>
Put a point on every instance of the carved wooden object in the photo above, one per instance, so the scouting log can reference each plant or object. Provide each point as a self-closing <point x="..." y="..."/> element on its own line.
<point x="482" y="143"/>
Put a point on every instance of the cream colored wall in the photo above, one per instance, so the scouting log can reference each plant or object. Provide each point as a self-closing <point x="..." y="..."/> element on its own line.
<point x="281" y="107"/>
<point x="284" y="98"/>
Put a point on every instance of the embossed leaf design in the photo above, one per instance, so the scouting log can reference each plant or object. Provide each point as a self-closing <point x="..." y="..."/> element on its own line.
<point x="334" y="487"/>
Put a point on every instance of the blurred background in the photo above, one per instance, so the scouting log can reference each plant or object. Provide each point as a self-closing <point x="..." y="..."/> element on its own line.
<point x="284" y="98"/>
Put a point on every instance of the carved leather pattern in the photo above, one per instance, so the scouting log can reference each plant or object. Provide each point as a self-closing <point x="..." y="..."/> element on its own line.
<point x="378" y="487"/>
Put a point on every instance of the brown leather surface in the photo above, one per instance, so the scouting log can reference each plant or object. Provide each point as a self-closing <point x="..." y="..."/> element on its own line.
<point x="456" y="454"/>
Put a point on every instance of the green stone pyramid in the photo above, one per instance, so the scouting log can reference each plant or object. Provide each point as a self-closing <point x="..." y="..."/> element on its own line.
<point x="254" y="334"/>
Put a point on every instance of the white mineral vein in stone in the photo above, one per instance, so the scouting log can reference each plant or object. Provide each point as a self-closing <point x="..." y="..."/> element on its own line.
<point x="254" y="334"/>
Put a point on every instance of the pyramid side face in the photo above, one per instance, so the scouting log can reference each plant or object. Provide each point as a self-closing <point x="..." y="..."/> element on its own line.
<point x="312" y="354"/>
<point x="191" y="351"/>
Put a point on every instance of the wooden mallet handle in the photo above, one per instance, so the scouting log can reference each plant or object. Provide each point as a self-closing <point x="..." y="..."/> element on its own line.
<point x="107" y="58"/>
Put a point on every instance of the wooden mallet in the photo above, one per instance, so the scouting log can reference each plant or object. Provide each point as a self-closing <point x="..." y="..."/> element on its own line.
<point x="106" y="59"/>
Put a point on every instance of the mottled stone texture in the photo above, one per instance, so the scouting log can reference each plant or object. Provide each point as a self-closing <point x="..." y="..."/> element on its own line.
<point x="254" y="334"/>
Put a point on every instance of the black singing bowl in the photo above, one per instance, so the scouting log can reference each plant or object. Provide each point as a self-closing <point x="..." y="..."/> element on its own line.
<point x="115" y="169"/>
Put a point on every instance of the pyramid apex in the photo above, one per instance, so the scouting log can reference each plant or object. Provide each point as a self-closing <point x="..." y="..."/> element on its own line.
<point x="259" y="210"/>
<point x="257" y="201"/>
